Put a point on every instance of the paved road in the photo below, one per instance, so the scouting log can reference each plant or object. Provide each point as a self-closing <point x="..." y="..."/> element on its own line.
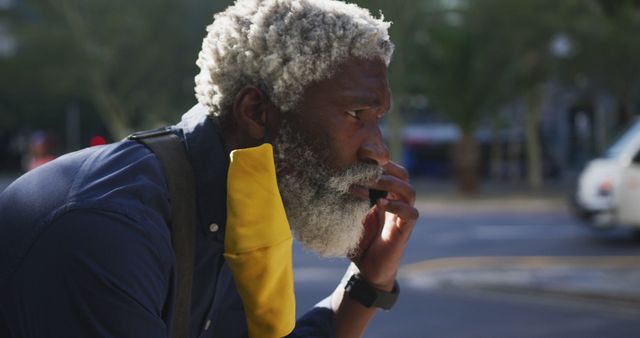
<point x="496" y="244"/>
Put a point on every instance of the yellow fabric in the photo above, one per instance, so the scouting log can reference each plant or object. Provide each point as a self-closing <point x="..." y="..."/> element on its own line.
<point x="257" y="244"/>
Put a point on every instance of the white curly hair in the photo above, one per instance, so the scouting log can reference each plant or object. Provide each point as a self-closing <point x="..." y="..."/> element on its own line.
<point x="281" y="46"/>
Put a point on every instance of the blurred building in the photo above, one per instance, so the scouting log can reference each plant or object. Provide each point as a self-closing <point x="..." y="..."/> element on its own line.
<point x="575" y="127"/>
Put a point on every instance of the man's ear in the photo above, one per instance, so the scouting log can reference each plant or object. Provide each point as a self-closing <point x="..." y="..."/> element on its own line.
<point x="250" y="111"/>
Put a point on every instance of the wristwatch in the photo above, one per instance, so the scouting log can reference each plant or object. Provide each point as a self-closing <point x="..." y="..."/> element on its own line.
<point x="361" y="291"/>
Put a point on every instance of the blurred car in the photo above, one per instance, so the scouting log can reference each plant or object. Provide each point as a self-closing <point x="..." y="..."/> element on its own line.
<point x="608" y="189"/>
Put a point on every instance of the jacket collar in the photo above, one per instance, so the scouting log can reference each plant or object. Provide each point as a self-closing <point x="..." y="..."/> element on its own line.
<point x="210" y="162"/>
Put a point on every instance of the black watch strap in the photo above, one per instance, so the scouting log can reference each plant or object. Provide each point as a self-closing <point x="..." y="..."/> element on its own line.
<point x="361" y="291"/>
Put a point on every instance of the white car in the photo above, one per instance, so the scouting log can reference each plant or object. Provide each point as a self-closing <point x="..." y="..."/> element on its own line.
<point x="608" y="190"/>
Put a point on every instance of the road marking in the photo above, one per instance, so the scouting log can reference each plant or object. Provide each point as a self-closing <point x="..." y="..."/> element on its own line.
<point x="520" y="262"/>
<point x="311" y="273"/>
<point x="600" y="279"/>
<point x="606" y="308"/>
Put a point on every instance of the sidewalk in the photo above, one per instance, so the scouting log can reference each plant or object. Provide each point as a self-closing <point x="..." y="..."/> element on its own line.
<point x="443" y="196"/>
<point x="611" y="279"/>
<point x="446" y="189"/>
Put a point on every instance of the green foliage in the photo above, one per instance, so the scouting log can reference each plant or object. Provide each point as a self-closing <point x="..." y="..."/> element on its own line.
<point x="471" y="57"/>
<point x="132" y="63"/>
<point x="605" y="35"/>
<point x="462" y="77"/>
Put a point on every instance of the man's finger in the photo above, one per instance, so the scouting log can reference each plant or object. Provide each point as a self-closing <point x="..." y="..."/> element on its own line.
<point x="396" y="170"/>
<point x="402" y="189"/>
<point x="403" y="210"/>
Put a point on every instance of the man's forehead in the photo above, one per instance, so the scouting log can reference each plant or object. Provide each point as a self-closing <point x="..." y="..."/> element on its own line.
<point x="348" y="80"/>
<point x="364" y="96"/>
<point x="357" y="80"/>
<point x="371" y="91"/>
<point x="373" y="71"/>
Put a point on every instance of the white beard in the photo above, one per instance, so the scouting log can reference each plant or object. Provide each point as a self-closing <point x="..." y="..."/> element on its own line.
<point x="322" y="213"/>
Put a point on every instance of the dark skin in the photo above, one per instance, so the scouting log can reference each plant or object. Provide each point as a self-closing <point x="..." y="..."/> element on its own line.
<point x="343" y="112"/>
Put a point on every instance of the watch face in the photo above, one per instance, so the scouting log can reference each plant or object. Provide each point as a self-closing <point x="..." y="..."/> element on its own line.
<point x="359" y="290"/>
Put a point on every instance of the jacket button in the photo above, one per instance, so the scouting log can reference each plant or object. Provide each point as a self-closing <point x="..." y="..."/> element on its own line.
<point x="213" y="227"/>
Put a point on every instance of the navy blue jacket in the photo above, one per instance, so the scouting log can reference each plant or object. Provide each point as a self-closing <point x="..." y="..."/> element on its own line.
<point x="85" y="250"/>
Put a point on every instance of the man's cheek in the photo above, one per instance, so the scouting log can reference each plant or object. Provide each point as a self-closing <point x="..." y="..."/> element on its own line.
<point x="337" y="157"/>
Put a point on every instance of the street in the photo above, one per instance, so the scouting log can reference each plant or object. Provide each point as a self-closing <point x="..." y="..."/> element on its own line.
<point x="501" y="269"/>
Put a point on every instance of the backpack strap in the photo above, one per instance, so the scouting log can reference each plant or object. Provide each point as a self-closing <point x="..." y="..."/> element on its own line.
<point x="179" y="175"/>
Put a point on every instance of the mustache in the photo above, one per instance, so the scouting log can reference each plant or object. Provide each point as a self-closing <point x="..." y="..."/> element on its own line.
<point x="361" y="173"/>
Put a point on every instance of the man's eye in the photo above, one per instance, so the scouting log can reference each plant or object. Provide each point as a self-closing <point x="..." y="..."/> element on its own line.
<point x="353" y="114"/>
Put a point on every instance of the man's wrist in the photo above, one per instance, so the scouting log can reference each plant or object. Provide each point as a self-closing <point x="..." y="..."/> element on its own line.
<point x="386" y="285"/>
<point x="358" y="289"/>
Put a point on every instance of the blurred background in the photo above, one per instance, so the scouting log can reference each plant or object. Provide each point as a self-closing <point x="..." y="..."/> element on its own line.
<point x="517" y="91"/>
<point x="510" y="116"/>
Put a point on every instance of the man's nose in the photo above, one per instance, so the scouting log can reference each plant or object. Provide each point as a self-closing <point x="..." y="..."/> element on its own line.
<point x="374" y="149"/>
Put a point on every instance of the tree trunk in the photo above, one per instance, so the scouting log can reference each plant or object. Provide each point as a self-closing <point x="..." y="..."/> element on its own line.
<point x="532" y="139"/>
<point x="497" y="153"/>
<point x="625" y="109"/>
<point x="467" y="163"/>
<point x="514" y="168"/>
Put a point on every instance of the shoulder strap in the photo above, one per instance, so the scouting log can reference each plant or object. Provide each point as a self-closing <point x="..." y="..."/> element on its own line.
<point x="179" y="175"/>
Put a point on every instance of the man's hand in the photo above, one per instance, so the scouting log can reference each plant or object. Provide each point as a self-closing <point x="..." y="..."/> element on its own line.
<point x="387" y="229"/>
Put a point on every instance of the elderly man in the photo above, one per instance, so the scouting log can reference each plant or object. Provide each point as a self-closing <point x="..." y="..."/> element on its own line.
<point x="84" y="240"/>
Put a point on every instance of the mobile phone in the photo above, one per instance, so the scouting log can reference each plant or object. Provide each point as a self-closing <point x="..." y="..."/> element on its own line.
<point x="375" y="195"/>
